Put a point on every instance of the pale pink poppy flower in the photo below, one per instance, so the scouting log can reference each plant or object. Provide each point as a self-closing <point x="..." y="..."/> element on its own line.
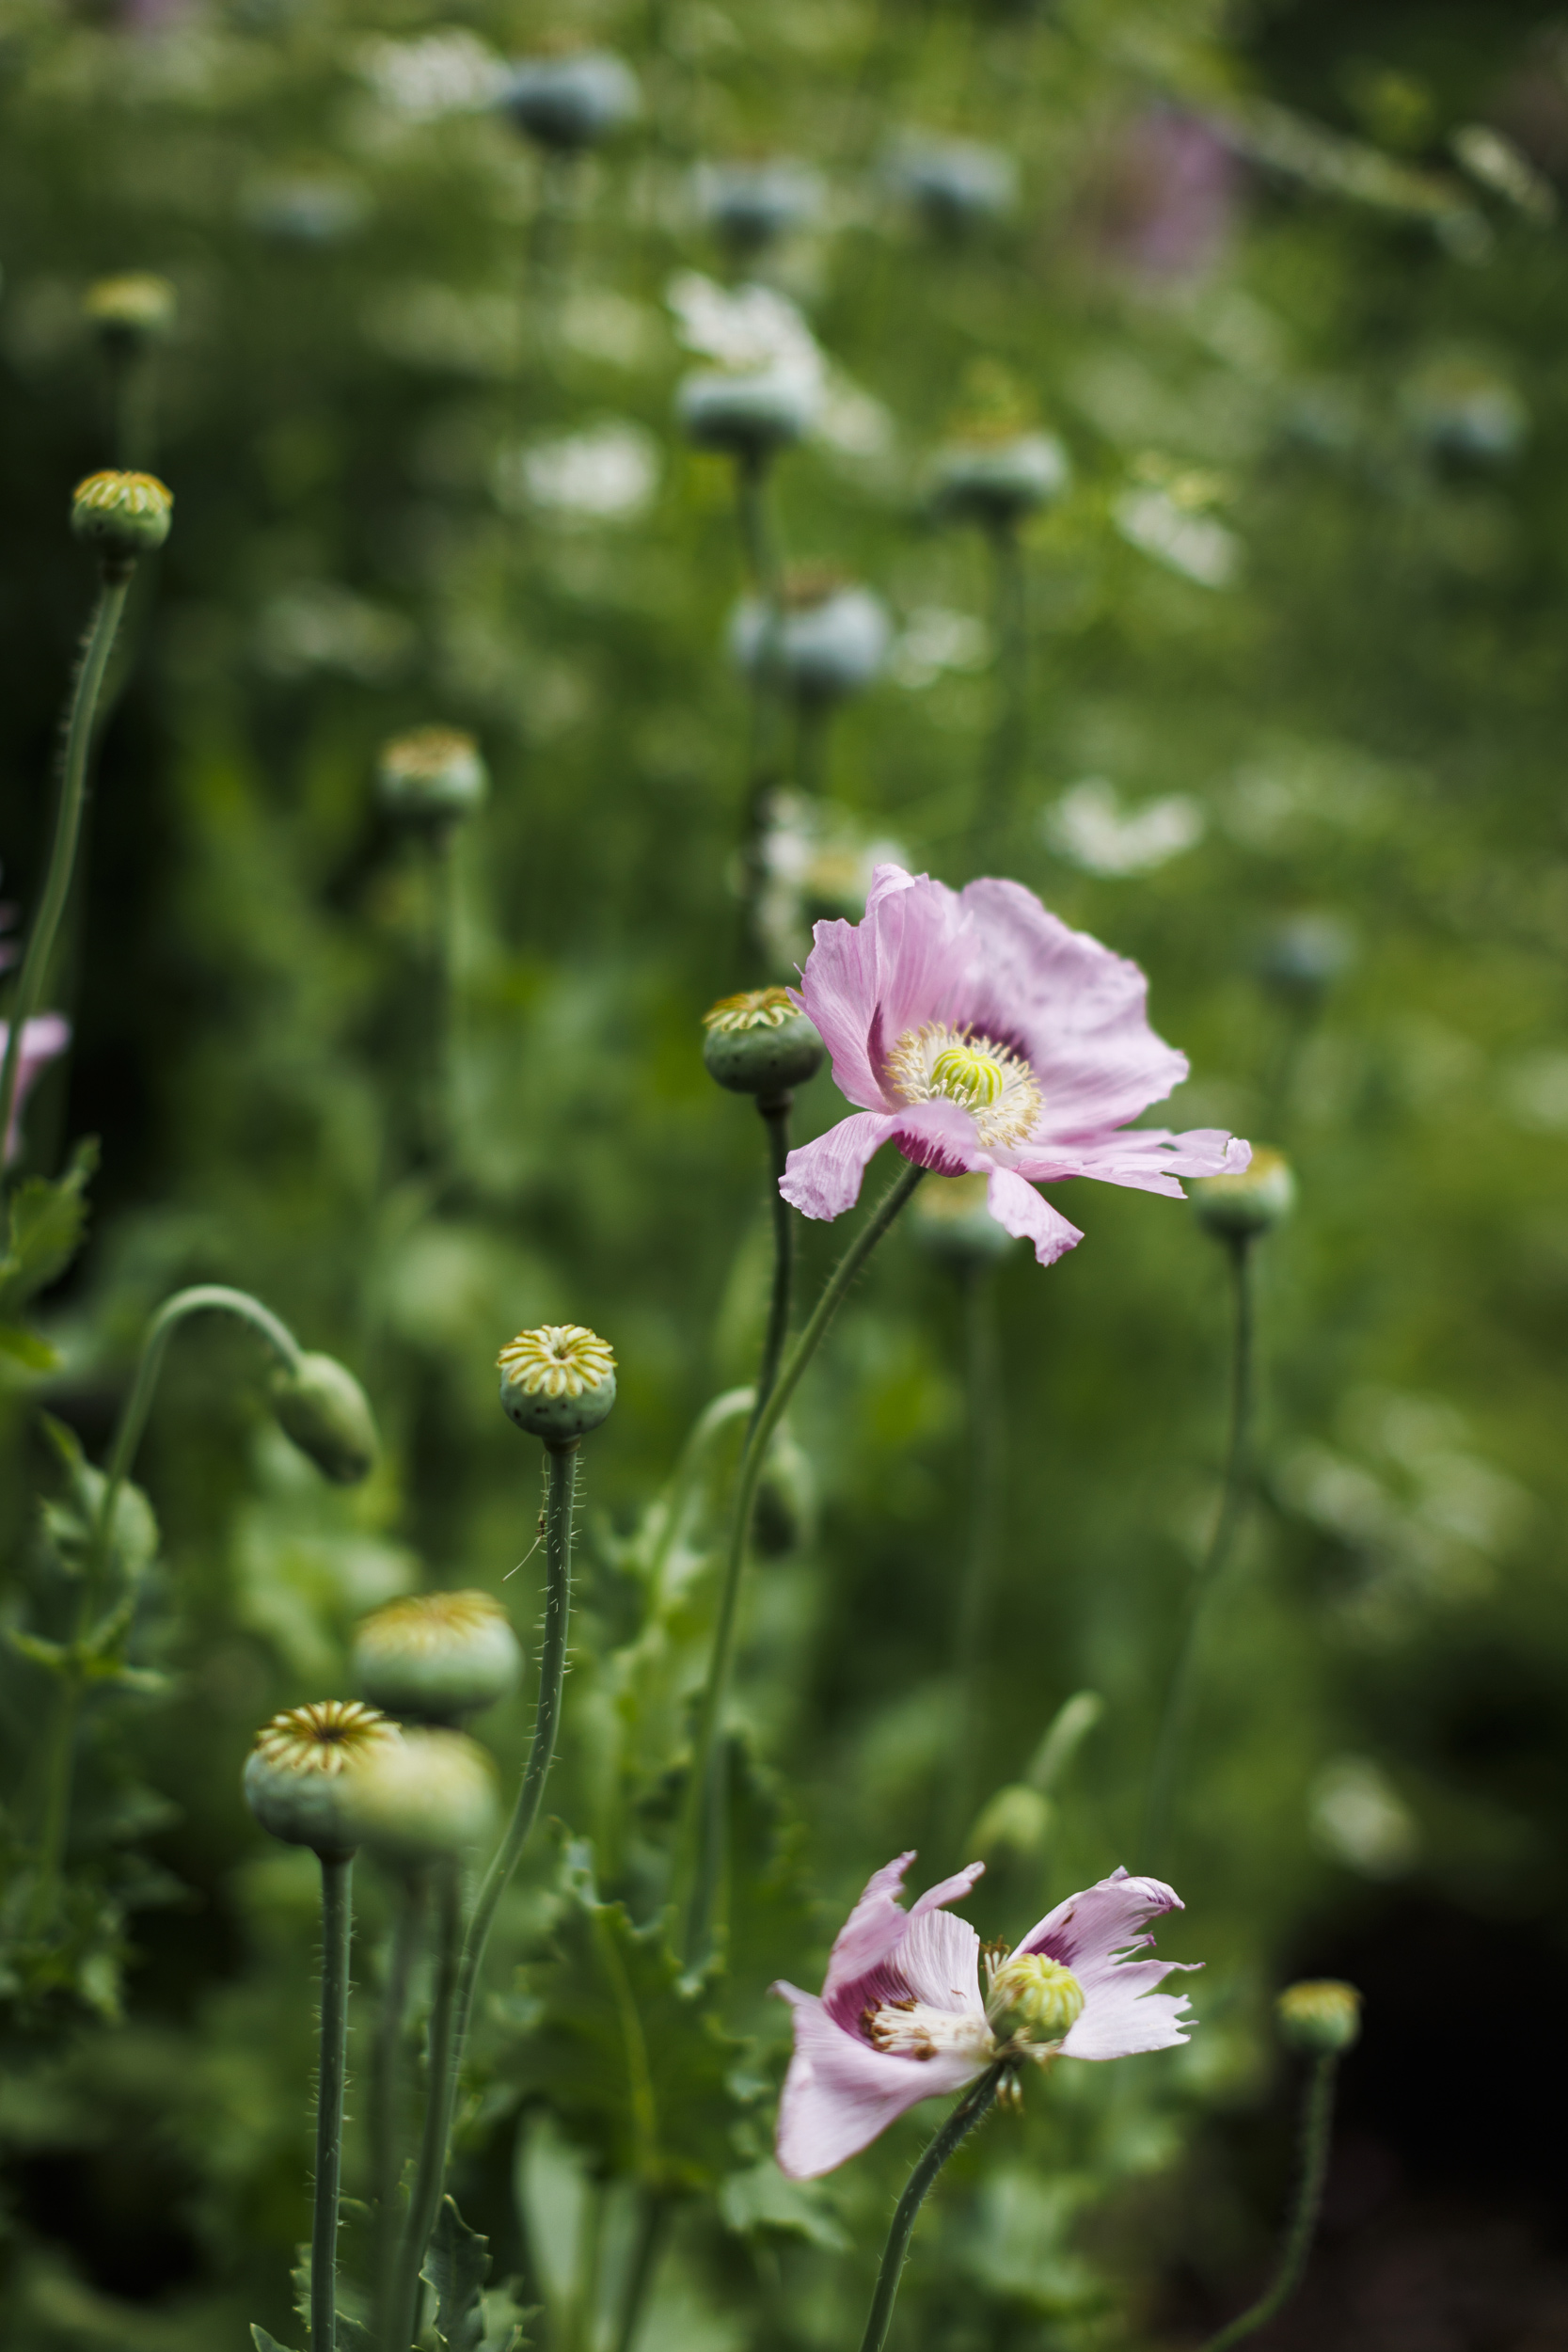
<point x="45" y="1037"/>
<point x="901" y="2018"/>
<point x="977" y="1032"/>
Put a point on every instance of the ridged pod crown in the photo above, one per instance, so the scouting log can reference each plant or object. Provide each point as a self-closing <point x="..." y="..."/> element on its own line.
<point x="129" y="311"/>
<point x="436" y="1657"/>
<point x="1033" y="2000"/>
<point x="1320" y="2017"/>
<point x="558" y="1382"/>
<point x="122" y="515"/>
<point x="300" y="1776"/>
<point x="431" y="775"/>
<point x="760" y="1042"/>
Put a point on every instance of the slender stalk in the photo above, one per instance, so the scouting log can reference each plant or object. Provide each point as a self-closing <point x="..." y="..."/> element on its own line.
<point x="707" y="1835"/>
<point x="1233" y="1494"/>
<point x="984" y="1445"/>
<point x="385" y="2140"/>
<point x="441" y="950"/>
<point x="440" y="2078"/>
<point x="1009" y="733"/>
<point x="971" y="2107"/>
<point x="812" y="724"/>
<point x="1317" y="2126"/>
<point x="760" y="556"/>
<point x="337" y="1918"/>
<point x="775" y="1110"/>
<point x="61" y="1740"/>
<point x="446" y="2054"/>
<point x="646" y="2248"/>
<point x="67" y="826"/>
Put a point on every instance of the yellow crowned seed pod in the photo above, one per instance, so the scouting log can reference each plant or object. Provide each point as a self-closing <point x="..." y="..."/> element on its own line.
<point x="431" y="775"/>
<point x="300" y="1776"/>
<point x="129" y="311"/>
<point x="438" y="1656"/>
<point x="1320" y="2017"/>
<point x="1033" y="2000"/>
<point x="431" y="1793"/>
<point x="557" y="1382"/>
<point x="758" y="1042"/>
<point x="121" y="514"/>
<point x="1254" y="1200"/>
<point x="321" y="1406"/>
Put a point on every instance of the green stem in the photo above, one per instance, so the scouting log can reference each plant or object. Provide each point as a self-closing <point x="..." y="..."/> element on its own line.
<point x="812" y="724"/>
<point x="67" y="826"/>
<point x="61" y="1737"/>
<point x="337" y="1917"/>
<point x="985" y="1436"/>
<point x="1316" y="2124"/>
<point x="441" y="935"/>
<point x="1234" y="1493"/>
<point x="760" y="556"/>
<point x="971" y="2107"/>
<point x="385" y="2140"/>
<point x="645" y="2250"/>
<point x="707" y="1770"/>
<point x="1009" y="735"/>
<point x="446" y="2061"/>
<point x="775" y="1110"/>
<point x="442" y="2049"/>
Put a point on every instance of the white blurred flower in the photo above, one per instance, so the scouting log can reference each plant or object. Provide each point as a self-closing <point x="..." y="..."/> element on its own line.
<point x="450" y="72"/>
<point x="1357" y="1817"/>
<point x="936" y="639"/>
<point x="1536" y="1094"/>
<point x="322" y="625"/>
<point x="607" y="473"/>
<point x="1089" y="827"/>
<point x="1195" y="545"/>
<point x="747" y="328"/>
<point x="815" y="860"/>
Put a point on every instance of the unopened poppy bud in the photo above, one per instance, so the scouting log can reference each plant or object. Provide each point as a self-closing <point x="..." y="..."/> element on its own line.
<point x="828" y="639"/>
<point x="1251" y="1202"/>
<point x="952" y="1218"/>
<point x="299" y="1778"/>
<point x="1033" y="2000"/>
<point x="431" y="775"/>
<point x="995" y="484"/>
<point x="322" y="1408"/>
<point x="574" y="102"/>
<point x="131" y="311"/>
<point x="122" y="515"/>
<point x="558" y="1382"/>
<point x="1321" y="2017"/>
<point x="1016" y="1820"/>
<point x="437" y="1657"/>
<point x="429" y="1793"/>
<point x="760" y="1042"/>
<point x="747" y="416"/>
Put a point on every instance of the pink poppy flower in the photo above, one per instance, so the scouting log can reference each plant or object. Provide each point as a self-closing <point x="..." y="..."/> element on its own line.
<point x="42" y="1038"/>
<point x="977" y="1032"/>
<point x="900" y="2017"/>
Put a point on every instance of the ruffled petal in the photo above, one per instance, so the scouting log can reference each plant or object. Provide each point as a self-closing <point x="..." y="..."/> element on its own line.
<point x="940" y="1961"/>
<point x="1073" y="1009"/>
<point x="865" y="983"/>
<point x="1091" y="1934"/>
<point x="1144" y="1159"/>
<point x="840" y="2092"/>
<point x="823" y="1178"/>
<point x="1129" y="2026"/>
<point x="1019" y="1209"/>
<point x="873" y="1930"/>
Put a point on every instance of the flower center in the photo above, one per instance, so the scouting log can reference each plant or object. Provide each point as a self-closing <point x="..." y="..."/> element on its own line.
<point x="556" y="1359"/>
<point x="994" y="1085"/>
<point x="1034" y="2001"/>
<point x="912" y="2029"/>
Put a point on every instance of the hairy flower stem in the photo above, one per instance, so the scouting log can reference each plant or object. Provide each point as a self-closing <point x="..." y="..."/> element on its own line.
<point x="971" y="2107"/>
<point x="775" y="1110"/>
<point x="985" y="1444"/>
<point x="445" y="2051"/>
<point x="385" y="2065"/>
<point x="706" y="1833"/>
<point x="337" y="1919"/>
<point x="61" y="1740"/>
<point x="759" y="554"/>
<point x="67" y="826"/>
<point x="1009" y="733"/>
<point x="1160" y="1800"/>
<point x="441" y="2061"/>
<point x="1316" y="2124"/>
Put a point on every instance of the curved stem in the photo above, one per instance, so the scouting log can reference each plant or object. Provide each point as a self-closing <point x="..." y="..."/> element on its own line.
<point x="440" y="2077"/>
<point x="337" y="1916"/>
<point x="971" y="2107"/>
<point x="385" y="2140"/>
<point x="1233" y="1491"/>
<point x="61" y="1737"/>
<point x="707" y="1770"/>
<point x="445" y="2060"/>
<point x="775" y="1110"/>
<point x="1316" y="2127"/>
<point x="67" y="826"/>
<point x="984" y="1436"/>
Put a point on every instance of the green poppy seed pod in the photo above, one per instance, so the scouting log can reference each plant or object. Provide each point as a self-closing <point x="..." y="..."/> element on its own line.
<point x="996" y="484"/>
<point x="1015" y="1822"/>
<point x="299" y="1778"/>
<point x="748" y="416"/>
<point x="129" y="313"/>
<point x="432" y="775"/>
<point x="437" y="1657"/>
<point x="760" y="1042"/>
<point x="952" y="1220"/>
<point x="1254" y="1200"/>
<point x="1320" y="2018"/>
<point x="572" y="103"/>
<point x="829" y="639"/>
<point x="751" y="204"/>
<point x="321" y="1406"/>
<point x="121" y="514"/>
<point x="431" y="1793"/>
<point x="953" y="183"/>
<point x="1033" y="2000"/>
<point x="557" y="1382"/>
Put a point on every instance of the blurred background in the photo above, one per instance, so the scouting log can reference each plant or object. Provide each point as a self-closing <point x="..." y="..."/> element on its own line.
<point x="1284" y="285"/>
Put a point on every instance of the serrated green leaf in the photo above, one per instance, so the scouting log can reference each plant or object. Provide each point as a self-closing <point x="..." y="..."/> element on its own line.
<point x="26" y="1347"/>
<point x="48" y="1221"/>
<point x="456" y="2265"/>
<point x="68" y="1521"/>
<point x="353" y="2334"/>
<point x="264" y="2343"/>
